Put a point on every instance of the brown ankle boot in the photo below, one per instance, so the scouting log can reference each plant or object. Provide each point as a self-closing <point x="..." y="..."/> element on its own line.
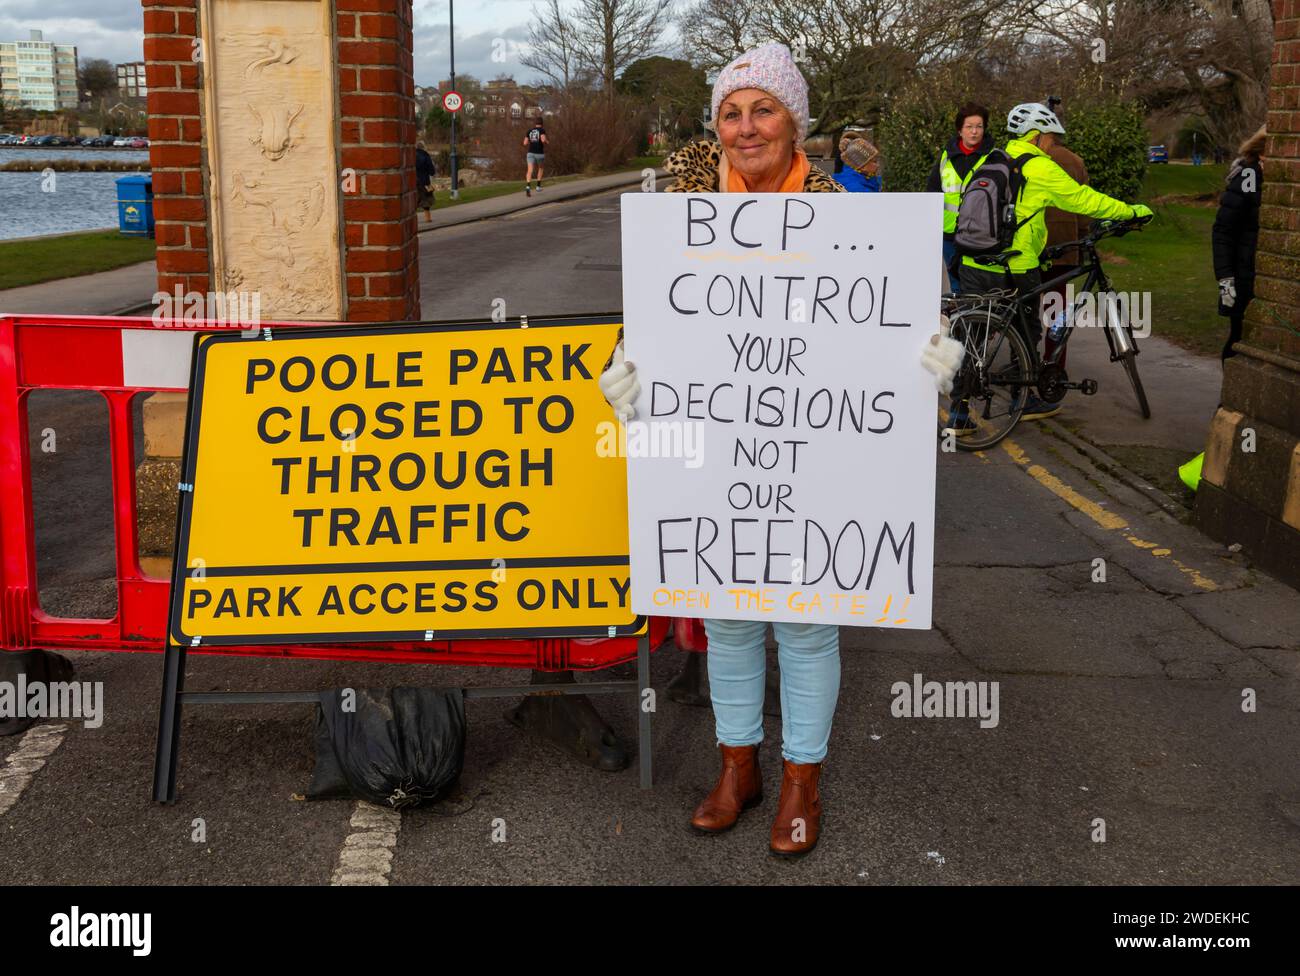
<point x="799" y="814"/>
<point x="739" y="787"/>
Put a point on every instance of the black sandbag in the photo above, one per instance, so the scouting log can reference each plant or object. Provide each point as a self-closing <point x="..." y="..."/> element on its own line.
<point x="400" y="747"/>
<point x="41" y="666"/>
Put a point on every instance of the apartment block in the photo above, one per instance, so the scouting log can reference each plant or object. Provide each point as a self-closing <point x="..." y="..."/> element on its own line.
<point x="38" y="74"/>
<point x="130" y="79"/>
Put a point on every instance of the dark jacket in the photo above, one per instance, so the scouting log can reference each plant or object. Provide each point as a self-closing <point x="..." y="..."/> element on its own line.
<point x="960" y="162"/>
<point x="1063" y="226"/>
<point x="1236" y="230"/>
<point x="424" y="168"/>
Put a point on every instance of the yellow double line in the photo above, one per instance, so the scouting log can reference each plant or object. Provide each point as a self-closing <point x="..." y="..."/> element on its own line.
<point x="1107" y="520"/>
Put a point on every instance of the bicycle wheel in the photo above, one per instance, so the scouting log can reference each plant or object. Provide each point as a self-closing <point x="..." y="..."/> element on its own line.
<point x="990" y="389"/>
<point x="1129" y="359"/>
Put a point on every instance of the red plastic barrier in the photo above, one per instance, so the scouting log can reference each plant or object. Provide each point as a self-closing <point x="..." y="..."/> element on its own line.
<point x="688" y="634"/>
<point x="109" y="355"/>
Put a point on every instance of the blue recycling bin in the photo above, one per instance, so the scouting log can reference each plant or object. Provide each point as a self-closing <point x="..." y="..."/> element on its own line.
<point x="135" y="205"/>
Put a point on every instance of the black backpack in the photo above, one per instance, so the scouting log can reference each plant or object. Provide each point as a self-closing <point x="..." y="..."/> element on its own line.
<point x="986" y="216"/>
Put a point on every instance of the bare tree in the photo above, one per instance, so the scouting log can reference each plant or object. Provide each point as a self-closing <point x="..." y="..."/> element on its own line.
<point x="552" y="45"/>
<point x="1207" y="57"/>
<point x="714" y="32"/>
<point x="1241" y="54"/>
<point x="596" y="40"/>
<point x="611" y="34"/>
<point x="856" y="54"/>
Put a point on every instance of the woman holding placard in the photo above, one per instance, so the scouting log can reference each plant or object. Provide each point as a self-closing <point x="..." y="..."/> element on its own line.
<point x="760" y="113"/>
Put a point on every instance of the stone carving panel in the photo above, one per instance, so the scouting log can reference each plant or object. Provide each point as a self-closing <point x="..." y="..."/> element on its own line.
<point x="270" y="104"/>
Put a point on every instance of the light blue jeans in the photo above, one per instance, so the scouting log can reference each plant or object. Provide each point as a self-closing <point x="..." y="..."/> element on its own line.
<point x="809" y="656"/>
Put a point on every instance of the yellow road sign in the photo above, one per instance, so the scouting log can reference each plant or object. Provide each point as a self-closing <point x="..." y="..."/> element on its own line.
<point x="401" y="482"/>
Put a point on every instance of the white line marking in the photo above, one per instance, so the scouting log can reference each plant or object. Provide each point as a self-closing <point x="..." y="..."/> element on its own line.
<point x="36" y="746"/>
<point x="367" y="854"/>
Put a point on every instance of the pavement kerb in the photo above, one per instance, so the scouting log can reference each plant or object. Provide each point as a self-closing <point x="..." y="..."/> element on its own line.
<point x="556" y="194"/>
<point x="50" y="237"/>
<point x="1116" y="470"/>
<point x="133" y="310"/>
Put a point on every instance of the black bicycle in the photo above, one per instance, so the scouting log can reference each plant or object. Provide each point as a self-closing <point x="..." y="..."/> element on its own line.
<point x="1001" y="368"/>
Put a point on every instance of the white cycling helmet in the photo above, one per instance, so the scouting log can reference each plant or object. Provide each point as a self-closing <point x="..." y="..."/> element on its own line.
<point x="1033" y="116"/>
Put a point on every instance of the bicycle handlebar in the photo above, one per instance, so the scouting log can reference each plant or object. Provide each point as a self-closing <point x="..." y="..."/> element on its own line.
<point x="1100" y="229"/>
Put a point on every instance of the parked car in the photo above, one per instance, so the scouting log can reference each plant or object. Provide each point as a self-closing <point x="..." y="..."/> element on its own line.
<point x="120" y="141"/>
<point x="1157" y="154"/>
<point x="138" y="143"/>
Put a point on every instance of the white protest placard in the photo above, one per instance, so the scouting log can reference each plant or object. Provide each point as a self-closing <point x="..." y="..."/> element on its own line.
<point x="781" y="464"/>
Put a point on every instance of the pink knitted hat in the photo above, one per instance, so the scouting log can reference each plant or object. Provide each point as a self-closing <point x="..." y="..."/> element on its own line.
<point x="770" y="67"/>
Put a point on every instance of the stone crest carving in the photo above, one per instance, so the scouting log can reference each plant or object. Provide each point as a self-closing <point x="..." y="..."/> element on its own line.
<point x="270" y="101"/>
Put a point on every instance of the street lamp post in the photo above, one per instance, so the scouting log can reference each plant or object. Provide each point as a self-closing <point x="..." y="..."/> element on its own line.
<point x="451" y="17"/>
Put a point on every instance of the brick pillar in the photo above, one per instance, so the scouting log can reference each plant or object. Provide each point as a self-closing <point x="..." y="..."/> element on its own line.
<point x="372" y="176"/>
<point x="175" y="144"/>
<point x="1253" y="497"/>
<point x="378" y="128"/>
<point x="282" y="146"/>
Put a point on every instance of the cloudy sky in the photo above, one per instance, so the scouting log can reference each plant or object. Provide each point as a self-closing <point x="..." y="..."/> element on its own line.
<point x="489" y="33"/>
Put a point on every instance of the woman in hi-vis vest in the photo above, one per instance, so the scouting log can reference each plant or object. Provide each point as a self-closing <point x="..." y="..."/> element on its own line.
<point x="963" y="154"/>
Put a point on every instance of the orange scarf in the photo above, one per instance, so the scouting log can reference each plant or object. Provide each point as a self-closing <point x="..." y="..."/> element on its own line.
<point x="732" y="182"/>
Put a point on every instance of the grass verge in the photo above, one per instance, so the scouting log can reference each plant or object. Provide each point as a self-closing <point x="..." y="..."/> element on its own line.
<point x="31" y="262"/>
<point x="470" y="194"/>
<point x="1171" y="258"/>
<point x="1158" y="465"/>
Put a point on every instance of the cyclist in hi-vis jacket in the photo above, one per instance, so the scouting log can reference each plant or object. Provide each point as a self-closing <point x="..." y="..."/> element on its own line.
<point x="1035" y="128"/>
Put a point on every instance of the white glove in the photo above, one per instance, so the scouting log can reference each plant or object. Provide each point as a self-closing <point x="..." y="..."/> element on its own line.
<point x="620" y="385"/>
<point x="942" y="356"/>
<point x="1227" y="292"/>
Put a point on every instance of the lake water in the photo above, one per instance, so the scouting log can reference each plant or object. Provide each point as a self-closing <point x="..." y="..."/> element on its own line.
<point x="79" y="201"/>
<point x="10" y="153"/>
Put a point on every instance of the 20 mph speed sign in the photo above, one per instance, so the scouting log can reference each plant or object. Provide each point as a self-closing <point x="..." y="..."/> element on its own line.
<point x="452" y="101"/>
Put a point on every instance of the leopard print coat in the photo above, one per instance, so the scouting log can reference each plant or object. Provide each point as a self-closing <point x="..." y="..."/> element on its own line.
<point x="695" y="166"/>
